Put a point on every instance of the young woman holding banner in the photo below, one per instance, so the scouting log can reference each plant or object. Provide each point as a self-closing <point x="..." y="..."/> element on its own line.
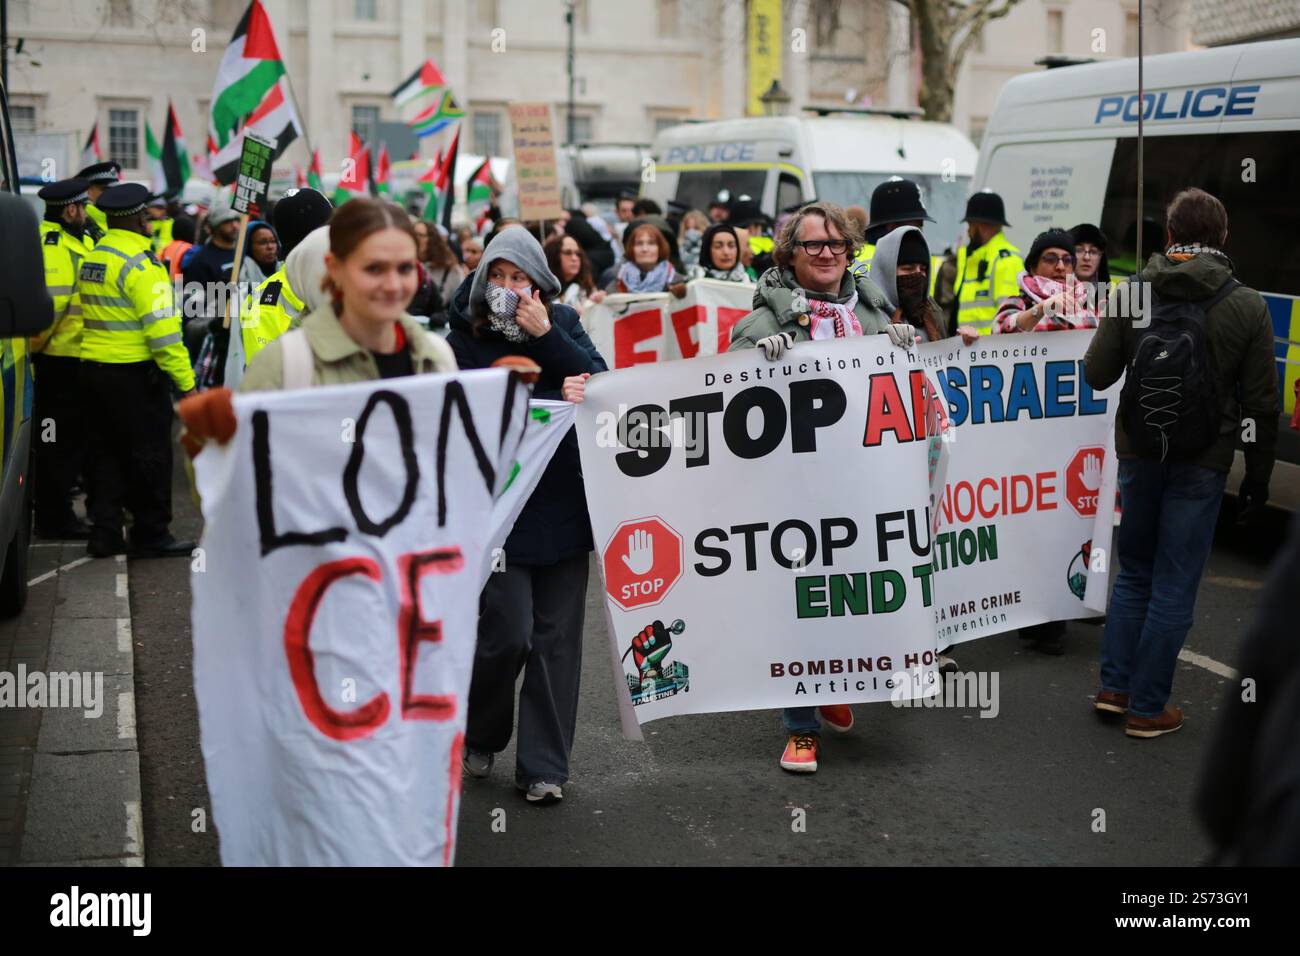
<point x="531" y="612"/>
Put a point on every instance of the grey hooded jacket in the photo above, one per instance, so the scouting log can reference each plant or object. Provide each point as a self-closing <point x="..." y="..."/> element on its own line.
<point x="884" y="270"/>
<point x="774" y="301"/>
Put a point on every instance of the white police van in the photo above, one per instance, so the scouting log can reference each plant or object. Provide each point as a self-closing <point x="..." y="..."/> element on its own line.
<point x="838" y="157"/>
<point x="1061" y="149"/>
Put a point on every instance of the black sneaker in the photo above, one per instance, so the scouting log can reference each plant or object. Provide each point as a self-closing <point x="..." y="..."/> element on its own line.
<point x="167" y="547"/>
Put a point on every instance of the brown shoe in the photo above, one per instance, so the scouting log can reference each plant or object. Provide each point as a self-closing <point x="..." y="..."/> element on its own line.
<point x="1111" y="703"/>
<point x="1164" y="723"/>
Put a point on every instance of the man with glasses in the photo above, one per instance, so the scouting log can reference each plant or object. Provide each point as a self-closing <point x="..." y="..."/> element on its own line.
<point x="810" y="293"/>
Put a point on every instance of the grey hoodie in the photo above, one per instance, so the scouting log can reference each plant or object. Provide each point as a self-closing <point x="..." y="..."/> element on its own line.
<point x="884" y="263"/>
<point x="519" y="246"/>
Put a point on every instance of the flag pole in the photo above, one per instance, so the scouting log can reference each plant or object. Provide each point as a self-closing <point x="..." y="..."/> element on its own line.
<point x="306" y="137"/>
<point x="235" y="266"/>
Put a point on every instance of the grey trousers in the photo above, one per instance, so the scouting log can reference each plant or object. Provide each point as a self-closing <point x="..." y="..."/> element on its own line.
<point x="530" y="619"/>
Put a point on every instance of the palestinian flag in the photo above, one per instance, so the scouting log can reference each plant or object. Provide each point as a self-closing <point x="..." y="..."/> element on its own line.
<point x="250" y="93"/>
<point x="428" y="184"/>
<point x="299" y="177"/>
<point x="381" y="172"/>
<point x="175" y="159"/>
<point x="313" y="173"/>
<point x="354" y="181"/>
<point x="91" y="153"/>
<point x="422" y="82"/>
<point x="479" y="188"/>
<point x="447" y="181"/>
<point x="157" y="178"/>
<point x="437" y="117"/>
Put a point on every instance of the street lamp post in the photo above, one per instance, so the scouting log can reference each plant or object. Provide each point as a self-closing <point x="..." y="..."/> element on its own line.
<point x="775" y="99"/>
<point x="568" y="18"/>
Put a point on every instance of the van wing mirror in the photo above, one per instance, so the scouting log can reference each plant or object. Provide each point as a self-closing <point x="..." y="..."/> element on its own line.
<point x="25" y="306"/>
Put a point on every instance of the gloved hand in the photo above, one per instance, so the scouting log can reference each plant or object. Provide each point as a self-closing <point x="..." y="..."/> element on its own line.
<point x="901" y="334"/>
<point x="774" y="346"/>
<point x="207" y="415"/>
<point x="1251" y="497"/>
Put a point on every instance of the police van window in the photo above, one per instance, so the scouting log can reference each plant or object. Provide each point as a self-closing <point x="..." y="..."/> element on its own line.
<point x="1255" y="176"/>
<point x="697" y="188"/>
<point x="944" y="199"/>
<point x="788" y="192"/>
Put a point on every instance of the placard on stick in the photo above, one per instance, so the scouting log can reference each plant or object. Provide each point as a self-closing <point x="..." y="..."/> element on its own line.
<point x="254" y="176"/>
<point x="534" y="141"/>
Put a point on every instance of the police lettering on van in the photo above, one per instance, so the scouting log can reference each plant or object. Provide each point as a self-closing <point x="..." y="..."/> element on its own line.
<point x="1207" y="102"/>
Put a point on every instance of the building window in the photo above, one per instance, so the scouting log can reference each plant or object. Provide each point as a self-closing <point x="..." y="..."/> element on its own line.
<point x="120" y="13"/>
<point x="582" y="127"/>
<point x="1130" y="34"/>
<point x="826" y="22"/>
<point x="666" y="122"/>
<point x="1055" y="31"/>
<point x="488" y="14"/>
<point x="581" y="16"/>
<point x="667" y="17"/>
<point x="124" y="137"/>
<point x="366" y="10"/>
<point x="365" y="122"/>
<point x="487" y="133"/>
<point x="23" y="119"/>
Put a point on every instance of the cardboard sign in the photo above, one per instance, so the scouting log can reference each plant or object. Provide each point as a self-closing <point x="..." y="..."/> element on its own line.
<point x="254" y="176"/>
<point x="534" y="142"/>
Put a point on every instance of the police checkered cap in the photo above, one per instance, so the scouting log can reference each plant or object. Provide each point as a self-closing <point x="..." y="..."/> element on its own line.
<point x="128" y="199"/>
<point x="65" y="192"/>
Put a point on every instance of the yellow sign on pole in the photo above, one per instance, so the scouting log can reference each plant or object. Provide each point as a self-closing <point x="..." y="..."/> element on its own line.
<point x="764" y="50"/>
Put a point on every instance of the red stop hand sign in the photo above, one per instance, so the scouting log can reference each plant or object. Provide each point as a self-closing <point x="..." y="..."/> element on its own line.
<point x="642" y="561"/>
<point x="1083" y="480"/>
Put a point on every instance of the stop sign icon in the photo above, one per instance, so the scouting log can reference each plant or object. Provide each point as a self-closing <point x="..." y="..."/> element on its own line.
<point x="1083" y="480"/>
<point x="642" y="561"/>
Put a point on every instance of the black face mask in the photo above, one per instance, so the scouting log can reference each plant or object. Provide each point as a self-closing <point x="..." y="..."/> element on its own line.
<point x="912" y="291"/>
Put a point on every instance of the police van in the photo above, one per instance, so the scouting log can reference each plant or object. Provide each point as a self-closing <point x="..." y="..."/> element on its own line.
<point x="1061" y="149"/>
<point x="839" y="156"/>
<point x="25" y="310"/>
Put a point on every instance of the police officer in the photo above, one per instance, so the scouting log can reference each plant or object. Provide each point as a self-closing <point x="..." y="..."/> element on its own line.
<point x="131" y="356"/>
<point x="56" y="359"/>
<point x="895" y="202"/>
<point x="98" y="177"/>
<point x="274" y="306"/>
<point x="161" y="223"/>
<point x="987" y="268"/>
<point x="748" y="215"/>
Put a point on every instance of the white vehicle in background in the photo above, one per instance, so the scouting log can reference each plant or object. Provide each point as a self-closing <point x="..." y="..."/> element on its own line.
<point x="599" y="173"/>
<point x="839" y="156"/>
<point x="1062" y="150"/>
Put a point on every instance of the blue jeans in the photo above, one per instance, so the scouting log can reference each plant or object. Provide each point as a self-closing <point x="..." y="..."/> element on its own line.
<point x="1163" y="544"/>
<point x="801" y="720"/>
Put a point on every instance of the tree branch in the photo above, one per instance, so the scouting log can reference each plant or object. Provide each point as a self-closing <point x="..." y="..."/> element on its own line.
<point x="973" y="32"/>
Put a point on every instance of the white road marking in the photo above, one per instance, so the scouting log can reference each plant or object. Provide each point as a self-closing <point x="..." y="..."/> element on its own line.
<point x="134" y="845"/>
<point x="126" y="716"/>
<point x="124" y="635"/>
<point x="67" y="567"/>
<point x="1209" y="663"/>
<point x="1248" y="584"/>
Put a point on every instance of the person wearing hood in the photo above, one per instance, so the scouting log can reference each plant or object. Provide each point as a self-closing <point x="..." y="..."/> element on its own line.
<point x="690" y="237"/>
<point x="811" y="294"/>
<point x="1171" y="505"/>
<point x="531" y="612"/>
<point x="1090" y="262"/>
<point x="276" y="304"/>
<point x="720" y="250"/>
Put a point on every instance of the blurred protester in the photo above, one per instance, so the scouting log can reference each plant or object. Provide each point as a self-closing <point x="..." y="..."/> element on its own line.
<point x="440" y="275"/>
<point x="646" y="267"/>
<point x="689" y="236"/>
<point x="1090" y="263"/>
<point x="719" y="209"/>
<point x="471" y="251"/>
<point x="720" y="256"/>
<point x="183" y="228"/>
<point x="565" y="258"/>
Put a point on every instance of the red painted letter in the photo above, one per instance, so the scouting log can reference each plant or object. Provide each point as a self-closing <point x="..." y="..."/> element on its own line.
<point x="412" y="628"/>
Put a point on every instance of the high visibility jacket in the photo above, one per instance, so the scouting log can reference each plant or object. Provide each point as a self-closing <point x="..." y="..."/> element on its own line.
<point x="984" y="278"/>
<point x="761" y="244"/>
<point x="268" y="313"/>
<point x="172" y="254"/>
<point x="97" y="216"/>
<point x="128" y="310"/>
<point x="862" y="263"/>
<point x="162" y="234"/>
<point x="63" y="254"/>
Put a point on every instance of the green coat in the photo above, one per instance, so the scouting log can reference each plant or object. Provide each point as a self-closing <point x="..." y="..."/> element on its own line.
<point x="774" y="312"/>
<point x="1240" y="337"/>
<point x="337" y="360"/>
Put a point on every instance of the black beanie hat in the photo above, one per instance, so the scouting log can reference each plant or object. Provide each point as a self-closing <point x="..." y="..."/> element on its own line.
<point x="1087" y="232"/>
<point x="299" y="214"/>
<point x="1051" y="239"/>
<point x="912" y="250"/>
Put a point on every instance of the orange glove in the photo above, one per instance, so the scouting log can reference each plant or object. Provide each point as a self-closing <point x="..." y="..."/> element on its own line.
<point x="208" y="415"/>
<point x="526" y="368"/>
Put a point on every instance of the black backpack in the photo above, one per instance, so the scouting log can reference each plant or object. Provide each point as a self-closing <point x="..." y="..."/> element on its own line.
<point x="1170" y="405"/>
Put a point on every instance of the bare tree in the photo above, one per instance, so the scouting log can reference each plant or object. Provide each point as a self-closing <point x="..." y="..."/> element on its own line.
<point x="946" y="30"/>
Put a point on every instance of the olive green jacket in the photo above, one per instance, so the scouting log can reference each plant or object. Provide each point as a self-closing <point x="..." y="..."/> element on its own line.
<point x="1240" y="338"/>
<point x="774" y="301"/>
<point x="338" y="360"/>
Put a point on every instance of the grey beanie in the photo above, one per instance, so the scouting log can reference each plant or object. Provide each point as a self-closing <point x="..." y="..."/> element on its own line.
<point x="519" y="246"/>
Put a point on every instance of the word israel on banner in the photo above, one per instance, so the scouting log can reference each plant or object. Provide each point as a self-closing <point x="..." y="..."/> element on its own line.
<point x="1022" y="499"/>
<point x="348" y="533"/>
<point x="658" y="327"/>
<point x="763" y="538"/>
